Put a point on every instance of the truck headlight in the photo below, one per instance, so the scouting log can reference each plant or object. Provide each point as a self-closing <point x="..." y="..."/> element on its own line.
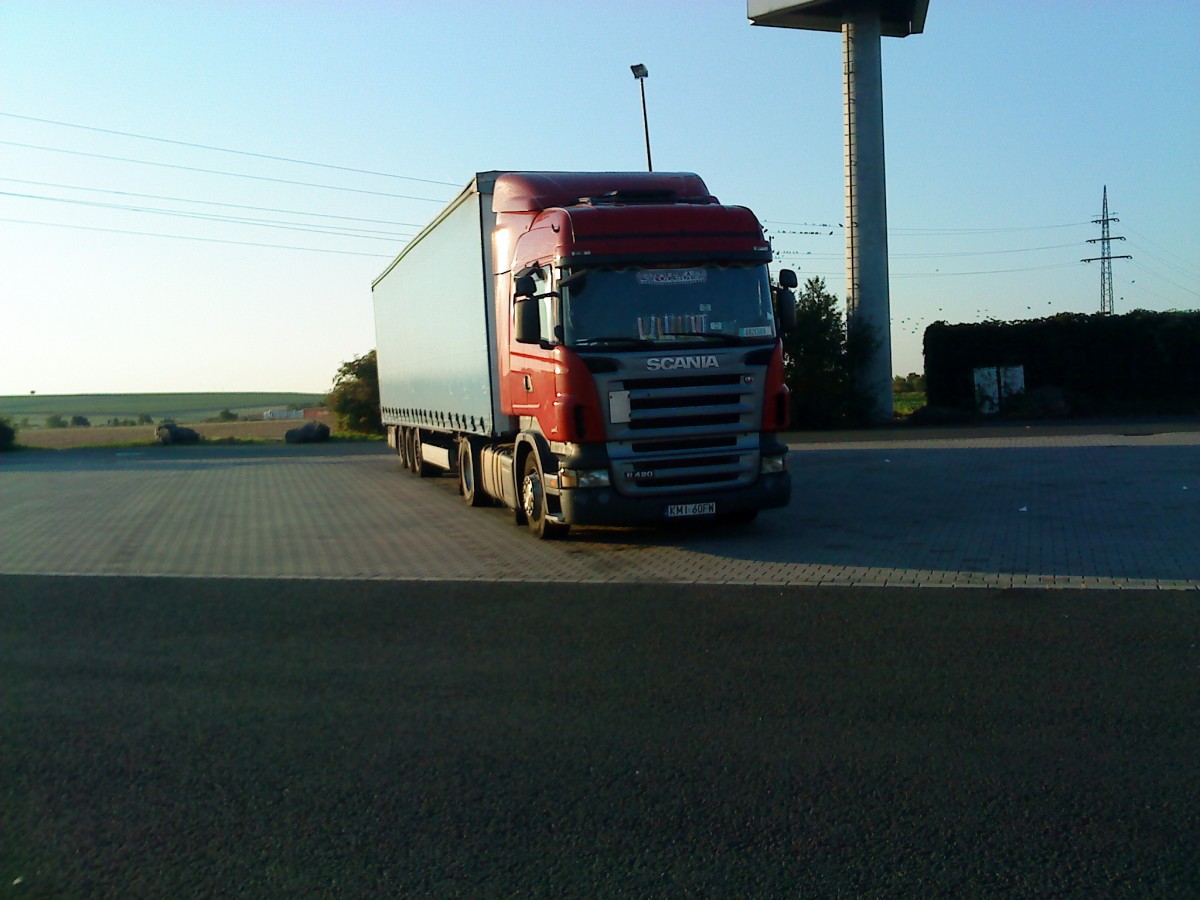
<point x="582" y="478"/>
<point x="772" y="465"/>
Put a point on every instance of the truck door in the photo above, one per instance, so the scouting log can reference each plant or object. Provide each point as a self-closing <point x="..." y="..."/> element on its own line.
<point x="531" y="379"/>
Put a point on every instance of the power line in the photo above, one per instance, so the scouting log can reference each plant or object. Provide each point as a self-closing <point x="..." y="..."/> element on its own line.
<point x="146" y="162"/>
<point x="937" y="274"/>
<point x="1157" y="275"/>
<point x="1177" y="267"/>
<point x="917" y="232"/>
<point x="955" y="253"/>
<point x="292" y="212"/>
<point x="161" y="140"/>
<point x="365" y="233"/>
<point x="186" y="237"/>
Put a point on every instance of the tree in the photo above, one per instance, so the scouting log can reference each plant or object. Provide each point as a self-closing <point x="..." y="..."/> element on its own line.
<point x="80" y="422"/>
<point x="355" y="395"/>
<point x="818" y="359"/>
<point x="56" y="421"/>
<point x="8" y="434"/>
<point x="227" y="415"/>
<point x="912" y="383"/>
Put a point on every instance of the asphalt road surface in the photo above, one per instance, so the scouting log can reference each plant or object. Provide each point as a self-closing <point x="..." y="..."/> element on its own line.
<point x="258" y="737"/>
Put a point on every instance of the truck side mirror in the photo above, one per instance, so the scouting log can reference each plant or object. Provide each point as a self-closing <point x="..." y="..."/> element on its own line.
<point x="785" y="309"/>
<point x="785" y="301"/>
<point x="527" y="326"/>
<point x="524" y="286"/>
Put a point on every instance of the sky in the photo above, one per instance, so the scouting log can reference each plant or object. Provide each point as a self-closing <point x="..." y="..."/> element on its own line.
<point x="196" y="196"/>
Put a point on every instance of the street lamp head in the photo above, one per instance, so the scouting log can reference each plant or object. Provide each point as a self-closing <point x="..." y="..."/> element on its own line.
<point x="639" y="71"/>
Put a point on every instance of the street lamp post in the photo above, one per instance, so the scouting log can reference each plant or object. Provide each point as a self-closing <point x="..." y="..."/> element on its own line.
<point x="640" y="73"/>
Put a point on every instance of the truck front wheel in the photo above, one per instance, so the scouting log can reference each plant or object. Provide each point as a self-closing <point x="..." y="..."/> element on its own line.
<point x="533" y="502"/>
<point x="468" y="474"/>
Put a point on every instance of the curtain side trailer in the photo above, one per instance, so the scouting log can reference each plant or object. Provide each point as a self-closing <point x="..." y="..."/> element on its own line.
<point x="589" y="348"/>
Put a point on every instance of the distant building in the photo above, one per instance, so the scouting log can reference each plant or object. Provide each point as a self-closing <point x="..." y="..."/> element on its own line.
<point x="314" y="412"/>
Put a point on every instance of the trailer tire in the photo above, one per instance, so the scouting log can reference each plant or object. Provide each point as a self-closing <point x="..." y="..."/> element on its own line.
<point x="422" y="468"/>
<point x="469" y="474"/>
<point x="533" y="502"/>
<point x="401" y="446"/>
<point x="407" y="437"/>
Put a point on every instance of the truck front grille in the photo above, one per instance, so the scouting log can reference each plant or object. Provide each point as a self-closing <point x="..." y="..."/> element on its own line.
<point x="688" y="404"/>
<point x="680" y="434"/>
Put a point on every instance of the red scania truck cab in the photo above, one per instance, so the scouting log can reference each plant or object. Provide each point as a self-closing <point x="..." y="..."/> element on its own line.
<point x="588" y="348"/>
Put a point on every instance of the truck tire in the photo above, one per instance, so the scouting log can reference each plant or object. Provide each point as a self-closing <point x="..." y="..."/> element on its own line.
<point x="422" y="468"/>
<point x="407" y="437"/>
<point x="469" y="474"/>
<point x="533" y="502"/>
<point x="401" y="446"/>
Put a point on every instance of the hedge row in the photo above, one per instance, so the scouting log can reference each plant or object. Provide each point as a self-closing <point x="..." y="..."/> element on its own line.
<point x="1104" y="362"/>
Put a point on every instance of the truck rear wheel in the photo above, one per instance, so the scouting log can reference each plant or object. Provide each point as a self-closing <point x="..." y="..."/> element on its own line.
<point x="468" y="474"/>
<point x="533" y="502"/>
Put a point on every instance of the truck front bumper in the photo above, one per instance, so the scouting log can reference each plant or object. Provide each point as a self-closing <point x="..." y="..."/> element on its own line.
<point x="604" y="506"/>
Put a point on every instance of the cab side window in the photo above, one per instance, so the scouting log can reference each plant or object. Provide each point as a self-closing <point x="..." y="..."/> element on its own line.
<point x="547" y="305"/>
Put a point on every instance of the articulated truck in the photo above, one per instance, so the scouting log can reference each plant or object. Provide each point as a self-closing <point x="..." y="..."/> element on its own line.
<point x="589" y="349"/>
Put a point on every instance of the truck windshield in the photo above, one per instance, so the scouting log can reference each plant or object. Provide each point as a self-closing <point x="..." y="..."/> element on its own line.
<point x="644" y="306"/>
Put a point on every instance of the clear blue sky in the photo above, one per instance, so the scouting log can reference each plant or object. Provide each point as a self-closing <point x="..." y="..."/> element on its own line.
<point x="1004" y="122"/>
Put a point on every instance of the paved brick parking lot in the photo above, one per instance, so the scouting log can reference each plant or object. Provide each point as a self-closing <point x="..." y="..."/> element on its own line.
<point x="392" y="703"/>
<point x="994" y="510"/>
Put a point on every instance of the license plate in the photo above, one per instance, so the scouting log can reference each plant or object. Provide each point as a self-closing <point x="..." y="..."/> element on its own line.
<point x="679" y="510"/>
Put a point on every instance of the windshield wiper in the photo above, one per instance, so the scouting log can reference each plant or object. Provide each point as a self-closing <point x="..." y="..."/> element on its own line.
<point x="615" y="339"/>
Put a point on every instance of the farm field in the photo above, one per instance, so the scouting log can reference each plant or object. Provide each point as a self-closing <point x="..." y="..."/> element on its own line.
<point x="183" y="408"/>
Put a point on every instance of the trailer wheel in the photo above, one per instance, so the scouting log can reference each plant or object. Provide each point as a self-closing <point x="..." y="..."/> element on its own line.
<point x="408" y="448"/>
<point x="533" y="502"/>
<point x="402" y="446"/>
<point x="422" y="468"/>
<point x="469" y="474"/>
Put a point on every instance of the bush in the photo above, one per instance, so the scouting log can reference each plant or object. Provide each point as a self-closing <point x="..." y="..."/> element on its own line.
<point x="308" y="433"/>
<point x="355" y="396"/>
<point x="912" y="383"/>
<point x="176" y="434"/>
<point x="1138" y="362"/>
<point x="8" y="434"/>
<point x="56" y="421"/>
<point x="80" y="422"/>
